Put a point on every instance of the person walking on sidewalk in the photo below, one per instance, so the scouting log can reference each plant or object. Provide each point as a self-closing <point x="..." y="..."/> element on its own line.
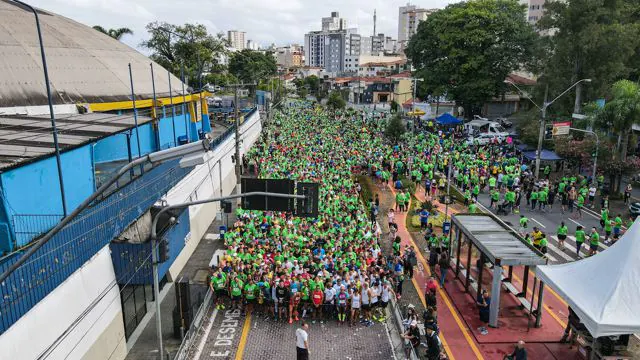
<point x="302" y="341"/>
<point x="444" y="266"/>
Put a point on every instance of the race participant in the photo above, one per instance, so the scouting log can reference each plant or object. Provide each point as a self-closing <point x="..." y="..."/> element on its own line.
<point x="235" y="289"/>
<point x="562" y="234"/>
<point x="218" y="286"/>
<point x="580" y="238"/>
<point x="594" y="241"/>
<point x="341" y="304"/>
<point x="355" y="300"/>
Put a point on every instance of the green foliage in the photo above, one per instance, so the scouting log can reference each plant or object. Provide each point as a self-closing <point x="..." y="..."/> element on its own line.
<point x="252" y="66"/>
<point x="188" y="44"/>
<point x="220" y="79"/>
<point x="366" y="194"/>
<point x="467" y="49"/>
<point x="620" y="113"/>
<point x="114" y="33"/>
<point x="394" y="106"/>
<point x="321" y="94"/>
<point x="395" y="129"/>
<point x="335" y="101"/>
<point x="596" y="39"/>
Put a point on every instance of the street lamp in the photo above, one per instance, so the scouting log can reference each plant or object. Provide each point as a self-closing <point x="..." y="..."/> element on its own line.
<point x="543" y="110"/>
<point x="51" y="114"/>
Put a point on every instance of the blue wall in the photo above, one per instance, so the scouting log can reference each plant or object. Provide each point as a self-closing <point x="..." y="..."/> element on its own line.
<point x="34" y="189"/>
<point x="130" y="261"/>
<point x="114" y="147"/>
<point x="77" y="242"/>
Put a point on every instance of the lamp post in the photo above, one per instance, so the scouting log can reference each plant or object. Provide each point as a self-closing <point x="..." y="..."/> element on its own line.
<point x="543" y="114"/>
<point x="50" y="101"/>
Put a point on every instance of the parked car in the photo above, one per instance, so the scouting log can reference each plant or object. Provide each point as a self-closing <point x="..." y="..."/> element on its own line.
<point x="484" y="139"/>
<point x="634" y="209"/>
<point x="504" y="122"/>
<point x="478" y="117"/>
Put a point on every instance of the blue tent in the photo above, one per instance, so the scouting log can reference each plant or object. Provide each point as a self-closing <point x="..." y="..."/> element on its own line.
<point x="545" y="155"/>
<point x="448" y="119"/>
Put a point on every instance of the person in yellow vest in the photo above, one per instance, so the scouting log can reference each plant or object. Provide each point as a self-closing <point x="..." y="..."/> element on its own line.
<point x="537" y="235"/>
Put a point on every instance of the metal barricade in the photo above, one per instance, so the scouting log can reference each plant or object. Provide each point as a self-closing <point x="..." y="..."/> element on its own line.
<point x="190" y="336"/>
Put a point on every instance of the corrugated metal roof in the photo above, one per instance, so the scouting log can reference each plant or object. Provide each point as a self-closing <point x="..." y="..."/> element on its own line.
<point x="23" y="138"/>
<point x="496" y="241"/>
<point x="84" y="65"/>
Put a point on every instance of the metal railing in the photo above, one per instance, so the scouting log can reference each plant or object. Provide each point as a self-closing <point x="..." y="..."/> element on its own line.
<point x="27" y="226"/>
<point x="191" y="335"/>
<point x="399" y="322"/>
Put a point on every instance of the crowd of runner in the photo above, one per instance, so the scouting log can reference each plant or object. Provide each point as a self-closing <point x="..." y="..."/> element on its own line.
<point x="332" y="267"/>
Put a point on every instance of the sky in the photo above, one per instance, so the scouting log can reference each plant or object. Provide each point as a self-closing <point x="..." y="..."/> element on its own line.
<point x="265" y="21"/>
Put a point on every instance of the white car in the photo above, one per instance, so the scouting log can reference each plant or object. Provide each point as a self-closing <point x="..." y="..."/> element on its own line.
<point x="485" y="139"/>
<point x="478" y="117"/>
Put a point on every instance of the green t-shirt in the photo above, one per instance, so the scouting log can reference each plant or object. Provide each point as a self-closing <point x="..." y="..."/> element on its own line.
<point x="473" y="208"/>
<point x="618" y="221"/>
<point x="218" y="283"/>
<point x="544" y="242"/>
<point x="595" y="238"/>
<point x="563" y="230"/>
<point x="580" y="201"/>
<point x="236" y="287"/>
<point x="580" y="236"/>
<point x="534" y="195"/>
<point x="250" y="291"/>
<point x="492" y="182"/>
<point x="523" y="222"/>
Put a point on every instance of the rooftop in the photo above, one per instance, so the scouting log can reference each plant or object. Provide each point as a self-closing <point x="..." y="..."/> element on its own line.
<point x="500" y="244"/>
<point x="23" y="138"/>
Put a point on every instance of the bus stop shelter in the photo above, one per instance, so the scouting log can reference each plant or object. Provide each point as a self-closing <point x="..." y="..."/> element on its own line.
<point x="494" y="242"/>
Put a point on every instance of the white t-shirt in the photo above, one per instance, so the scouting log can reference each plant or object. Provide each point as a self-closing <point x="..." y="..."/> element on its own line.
<point x="592" y="191"/>
<point x="301" y="337"/>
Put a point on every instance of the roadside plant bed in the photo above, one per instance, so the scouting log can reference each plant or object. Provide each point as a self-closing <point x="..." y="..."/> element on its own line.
<point x="367" y="189"/>
<point x="436" y="218"/>
<point x="453" y="191"/>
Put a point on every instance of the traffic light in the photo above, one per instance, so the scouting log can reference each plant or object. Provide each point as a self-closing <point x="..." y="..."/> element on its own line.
<point x="226" y="206"/>
<point x="307" y="207"/>
<point x="163" y="250"/>
<point x="548" y="131"/>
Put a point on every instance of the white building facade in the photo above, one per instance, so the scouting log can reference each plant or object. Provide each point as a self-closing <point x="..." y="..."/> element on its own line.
<point x="237" y="39"/>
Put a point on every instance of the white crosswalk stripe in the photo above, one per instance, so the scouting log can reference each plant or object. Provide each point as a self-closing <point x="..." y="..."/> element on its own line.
<point x="559" y="252"/>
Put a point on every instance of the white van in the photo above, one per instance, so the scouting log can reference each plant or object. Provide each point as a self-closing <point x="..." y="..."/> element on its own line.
<point x="476" y="127"/>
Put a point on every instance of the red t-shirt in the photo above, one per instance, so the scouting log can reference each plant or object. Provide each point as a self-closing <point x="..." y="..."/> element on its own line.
<point x="317" y="297"/>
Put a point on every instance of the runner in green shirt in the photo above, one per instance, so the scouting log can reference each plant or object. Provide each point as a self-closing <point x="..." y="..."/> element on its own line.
<point x="473" y="208"/>
<point x="580" y="238"/>
<point x="523" y="224"/>
<point x="218" y="286"/>
<point x="250" y="292"/>
<point x="579" y="205"/>
<point x="562" y="234"/>
<point x="495" y="198"/>
<point x="543" y="244"/>
<point x="617" y="227"/>
<point x="235" y="289"/>
<point x="594" y="241"/>
<point x="492" y="183"/>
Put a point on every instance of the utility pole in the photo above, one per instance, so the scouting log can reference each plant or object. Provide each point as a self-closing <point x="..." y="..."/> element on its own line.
<point x="543" y="119"/>
<point x="236" y="107"/>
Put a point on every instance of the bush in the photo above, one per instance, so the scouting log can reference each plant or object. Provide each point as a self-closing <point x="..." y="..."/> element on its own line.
<point x="436" y="220"/>
<point x="407" y="184"/>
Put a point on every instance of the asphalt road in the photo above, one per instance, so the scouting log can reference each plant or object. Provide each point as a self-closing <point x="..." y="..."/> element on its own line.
<point x="548" y="222"/>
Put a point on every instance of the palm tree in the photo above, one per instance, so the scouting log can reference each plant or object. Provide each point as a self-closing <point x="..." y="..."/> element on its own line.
<point x="114" y="33"/>
<point x="619" y="115"/>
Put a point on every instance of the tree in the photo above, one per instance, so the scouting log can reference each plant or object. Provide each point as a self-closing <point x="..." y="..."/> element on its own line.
<point x="467" y="49"/>
<point x="619" y="115"/>
<point x="190" y="45"/>
<point x="596" y="39"/>
<point x="395" y="129"/>
<point x="252" y="66"/>
<point x="394" y="106"/>
<point x="336" y="101"/>
<point x="114" y="33"/>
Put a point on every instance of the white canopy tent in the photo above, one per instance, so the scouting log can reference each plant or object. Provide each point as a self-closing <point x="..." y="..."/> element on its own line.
<point x="603" y="289"/>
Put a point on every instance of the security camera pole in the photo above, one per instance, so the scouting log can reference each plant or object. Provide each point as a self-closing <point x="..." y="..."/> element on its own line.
<point x="154" y="244"/>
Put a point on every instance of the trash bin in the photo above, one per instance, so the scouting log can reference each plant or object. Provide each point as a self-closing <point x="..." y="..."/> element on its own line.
<point x="222" y="231"/>
<point x="446" y="227"/>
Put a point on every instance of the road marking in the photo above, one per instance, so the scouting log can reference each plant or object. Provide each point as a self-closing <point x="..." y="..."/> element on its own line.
<point x="575" y="222"/>
<point x="244" y="336"/>
<point x="550" y="257"/>
<point x="204" y="337"/>
<point x="211" y="236"/>
<point x="539" y="223"/>
<point x="558" y="251"/>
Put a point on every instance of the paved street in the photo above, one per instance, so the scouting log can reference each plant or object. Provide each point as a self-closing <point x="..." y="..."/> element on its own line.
<point x="548" y="221"/>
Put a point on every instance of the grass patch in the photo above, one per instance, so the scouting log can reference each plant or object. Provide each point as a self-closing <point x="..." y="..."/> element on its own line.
<point x="366" y="194"/>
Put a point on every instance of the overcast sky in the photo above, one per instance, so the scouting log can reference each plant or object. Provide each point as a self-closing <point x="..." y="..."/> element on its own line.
<point x="265" y="21"/>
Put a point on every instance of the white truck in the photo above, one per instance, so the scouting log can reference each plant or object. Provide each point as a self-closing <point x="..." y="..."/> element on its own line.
<point x="476" y="127"/>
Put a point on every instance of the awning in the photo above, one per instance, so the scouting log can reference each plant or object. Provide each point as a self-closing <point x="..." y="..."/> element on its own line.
<point x="545" y="155"/>
<point x="448" y="119"/>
